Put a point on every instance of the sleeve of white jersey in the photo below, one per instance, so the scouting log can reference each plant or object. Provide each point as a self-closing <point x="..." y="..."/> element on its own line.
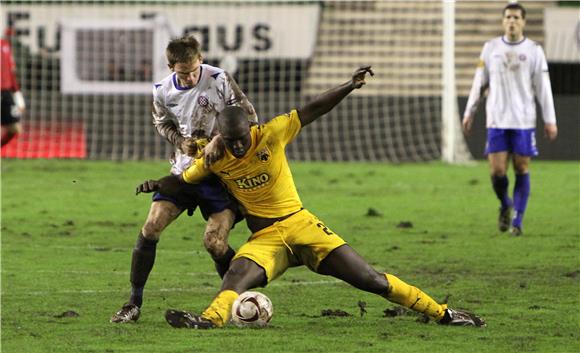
<point x="480" y="82"/>
<point x="159" y="111"/>
<point x="543" y="87"/>
<point x="233" y="95"/>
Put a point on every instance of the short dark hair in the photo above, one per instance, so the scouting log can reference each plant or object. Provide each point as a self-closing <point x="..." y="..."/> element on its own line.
<point x="515" y="6"/>
<point x="182" y="50"/>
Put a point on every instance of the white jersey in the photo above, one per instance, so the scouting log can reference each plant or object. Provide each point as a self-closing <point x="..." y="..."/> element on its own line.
<point x="193" y="110"/>
<point x="515" y="73"/>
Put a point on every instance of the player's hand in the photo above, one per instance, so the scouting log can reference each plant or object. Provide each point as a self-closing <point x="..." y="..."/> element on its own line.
<point x="214" y="151"/>
<point x="551" y="131"/>
<point x="466" y="124"/>
<point x="358" y="78"/>
<point x="148" y="187"/>
<point x="189" y="146"/>
<point x="19" y="102"/>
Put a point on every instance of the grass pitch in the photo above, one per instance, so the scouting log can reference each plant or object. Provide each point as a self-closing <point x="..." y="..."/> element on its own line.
<point x="68" y="228"/>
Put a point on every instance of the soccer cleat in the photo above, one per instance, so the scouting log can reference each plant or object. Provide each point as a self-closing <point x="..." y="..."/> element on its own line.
<point x="128" y="313"/>
<point x="183" y="319"/>
<point x="503" y="221"/>
<point x="455" y="317"/>
<point x="516" y="231"/>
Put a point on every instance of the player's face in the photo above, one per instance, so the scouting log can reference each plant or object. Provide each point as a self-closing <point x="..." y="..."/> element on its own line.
<point x="188" y="73"/>
<point x="237" y="139"/>
<point x="513" y="24"/>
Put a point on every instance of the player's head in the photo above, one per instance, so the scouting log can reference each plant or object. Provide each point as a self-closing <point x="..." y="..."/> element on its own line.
<point x="514" y="20"/>
<point x="235" y="130"/>
<point x="184" y="58"/>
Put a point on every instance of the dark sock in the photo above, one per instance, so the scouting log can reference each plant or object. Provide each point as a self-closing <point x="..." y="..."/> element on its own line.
<point x="222" y="263"/>
<point x="141" y="265"/>
<point x="500" y="186"/>
<point x="446" y="318"/>
<point x="521" y="195"/>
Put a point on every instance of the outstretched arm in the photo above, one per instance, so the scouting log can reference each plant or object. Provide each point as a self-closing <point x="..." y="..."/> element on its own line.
<point x="169" y="185"/>
<point x="329" y="99"/>
<point x="172" y="185"/>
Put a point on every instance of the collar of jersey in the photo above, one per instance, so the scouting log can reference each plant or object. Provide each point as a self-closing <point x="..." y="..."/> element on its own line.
<point x="503" y="39"/>
<point x="181" y="88"/>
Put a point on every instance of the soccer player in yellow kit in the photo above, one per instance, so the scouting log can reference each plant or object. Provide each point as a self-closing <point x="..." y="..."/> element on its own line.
<point x="255" y="170"/>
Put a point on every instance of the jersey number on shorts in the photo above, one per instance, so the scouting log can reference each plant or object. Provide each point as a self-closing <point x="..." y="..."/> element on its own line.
<point x="324" y="228"/>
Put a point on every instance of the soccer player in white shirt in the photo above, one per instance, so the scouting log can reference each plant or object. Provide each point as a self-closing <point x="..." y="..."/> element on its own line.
<point x="185" y="106"/>
<point x="514" y="71"/>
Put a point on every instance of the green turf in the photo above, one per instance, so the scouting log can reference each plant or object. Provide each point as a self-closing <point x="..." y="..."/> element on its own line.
<point x="68" y="228"/>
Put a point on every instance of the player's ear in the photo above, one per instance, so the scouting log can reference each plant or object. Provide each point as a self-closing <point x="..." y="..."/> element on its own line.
<point x="200" y="59"/>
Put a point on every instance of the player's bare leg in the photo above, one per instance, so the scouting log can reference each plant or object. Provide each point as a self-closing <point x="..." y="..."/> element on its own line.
<point x="243" y="274"/>
<point x="521" y="191"/>
<point x="215" y="239"/>
<point x="161" y="214"/>
<point x="498" y="164"/>
<point x="9" y="132"/>
<point x="346" y="264"/>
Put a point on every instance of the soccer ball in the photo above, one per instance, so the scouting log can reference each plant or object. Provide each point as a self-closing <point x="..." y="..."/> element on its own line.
<point x="252" y="309"/>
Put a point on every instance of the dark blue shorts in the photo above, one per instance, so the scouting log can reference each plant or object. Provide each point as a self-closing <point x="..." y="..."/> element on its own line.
<point x="8" y="107"/>
<point x="518" y="141"/>
<point x="210" y="196"/>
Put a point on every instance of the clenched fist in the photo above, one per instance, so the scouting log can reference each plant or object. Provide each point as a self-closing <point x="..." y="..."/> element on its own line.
<point x="148" y="187"/>
<point x="358" y="78"/>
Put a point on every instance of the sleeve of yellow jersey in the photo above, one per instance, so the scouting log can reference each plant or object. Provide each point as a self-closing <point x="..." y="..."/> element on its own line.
<point x="286" y="126"/>
<point x="196" y="172"/>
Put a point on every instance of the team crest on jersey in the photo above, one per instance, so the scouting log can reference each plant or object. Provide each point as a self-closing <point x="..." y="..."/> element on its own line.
<point x="511" y="61"/>
<point x="202" y="101"/>
<point x="263" y="155"/>
<point x="522" y="57"/>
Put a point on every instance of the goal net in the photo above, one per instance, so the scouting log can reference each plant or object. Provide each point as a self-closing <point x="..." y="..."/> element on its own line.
<point x="87" y="70"/>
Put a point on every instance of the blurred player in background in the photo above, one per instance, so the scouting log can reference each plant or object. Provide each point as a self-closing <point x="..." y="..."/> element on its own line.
<point x="514" y="71"/>
<point x="13" y="105"/>
<point x="256" y="171"/>
<point x="186" y="104"/>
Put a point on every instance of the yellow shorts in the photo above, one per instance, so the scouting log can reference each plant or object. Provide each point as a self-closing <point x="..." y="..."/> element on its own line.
<point x="301" y="239"/>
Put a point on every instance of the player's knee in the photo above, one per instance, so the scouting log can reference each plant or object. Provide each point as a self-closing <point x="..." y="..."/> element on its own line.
<point x="152" y="229"/>
<point x="214" y="240"/>
<point x="521" y="168"/>
<point x="498" y="172"/>
<point x="244" y="274"/>
<point x="15" y="129"/>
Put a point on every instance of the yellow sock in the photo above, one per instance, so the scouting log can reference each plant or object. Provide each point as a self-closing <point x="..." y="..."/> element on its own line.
<point x="413" y="298"/>
<point x="220" y="309"/>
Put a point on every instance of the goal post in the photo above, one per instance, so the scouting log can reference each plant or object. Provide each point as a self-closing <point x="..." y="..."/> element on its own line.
<point x="453" y="147"/>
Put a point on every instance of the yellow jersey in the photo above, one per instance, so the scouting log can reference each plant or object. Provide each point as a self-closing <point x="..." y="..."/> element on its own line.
<point x="261" y="181"/>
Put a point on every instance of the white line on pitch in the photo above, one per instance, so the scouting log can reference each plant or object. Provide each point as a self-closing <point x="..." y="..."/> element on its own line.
<point x="165" y="290"/>
<point x="104" y="249"/>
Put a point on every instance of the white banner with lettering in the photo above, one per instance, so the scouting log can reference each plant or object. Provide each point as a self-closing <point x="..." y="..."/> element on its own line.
<point x="257" y="31"/>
